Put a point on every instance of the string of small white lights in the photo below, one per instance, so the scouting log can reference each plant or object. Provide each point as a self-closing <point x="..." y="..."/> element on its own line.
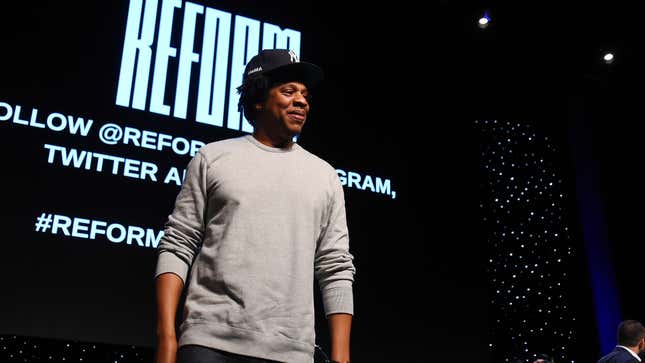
<point x="14" y="348"/>
<point x="524" y="217"/>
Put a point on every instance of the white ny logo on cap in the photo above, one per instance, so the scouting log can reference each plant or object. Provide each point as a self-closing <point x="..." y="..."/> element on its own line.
<point x="294" y="57"/>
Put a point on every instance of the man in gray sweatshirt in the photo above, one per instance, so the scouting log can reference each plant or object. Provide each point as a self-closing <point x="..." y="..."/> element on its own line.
<point x="257" y="219"/>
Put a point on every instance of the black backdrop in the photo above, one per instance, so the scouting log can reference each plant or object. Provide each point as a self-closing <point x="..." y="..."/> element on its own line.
<point x="544" y="64"/>
<point x="385" y="110"/>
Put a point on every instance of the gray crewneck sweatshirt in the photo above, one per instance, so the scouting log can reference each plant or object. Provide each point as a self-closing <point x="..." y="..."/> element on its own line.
<point x="251" y="228"/>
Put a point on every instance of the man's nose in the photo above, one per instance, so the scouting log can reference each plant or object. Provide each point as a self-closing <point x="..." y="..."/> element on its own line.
<point x="300" y="100"/>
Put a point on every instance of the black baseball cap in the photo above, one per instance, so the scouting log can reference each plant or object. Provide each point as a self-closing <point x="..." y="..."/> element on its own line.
<point x="282" y="65"/>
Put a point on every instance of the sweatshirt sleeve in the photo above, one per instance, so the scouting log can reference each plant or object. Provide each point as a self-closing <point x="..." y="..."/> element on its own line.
<point x="184" y="228"/>
<point x="333" y="265"/>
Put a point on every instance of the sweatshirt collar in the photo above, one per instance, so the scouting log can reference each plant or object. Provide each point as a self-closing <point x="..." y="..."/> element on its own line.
<point x="255" y="142"/>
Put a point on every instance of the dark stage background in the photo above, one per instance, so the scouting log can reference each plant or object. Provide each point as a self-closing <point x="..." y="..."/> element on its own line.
<point x="386" y="110"/>
<point x="540" y="67"/>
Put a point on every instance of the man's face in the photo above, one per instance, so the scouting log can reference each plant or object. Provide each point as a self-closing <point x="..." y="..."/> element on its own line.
<point x="285" y="110"/>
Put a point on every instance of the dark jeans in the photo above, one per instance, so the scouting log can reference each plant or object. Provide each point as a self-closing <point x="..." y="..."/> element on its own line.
<point x="199" y="354"/>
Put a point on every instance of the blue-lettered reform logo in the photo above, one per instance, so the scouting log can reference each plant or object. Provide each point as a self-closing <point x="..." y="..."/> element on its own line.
<point x="148" y="52"/>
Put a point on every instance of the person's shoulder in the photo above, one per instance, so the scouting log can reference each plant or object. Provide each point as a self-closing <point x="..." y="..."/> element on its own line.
<point x="215" y="148"/>
<point x="317" y="160"/>
<point x="618" y="355"/>
<point x="225" y="143"/>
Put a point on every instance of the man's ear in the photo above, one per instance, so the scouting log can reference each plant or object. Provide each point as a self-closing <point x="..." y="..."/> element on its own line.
<point x="641" y="344"/>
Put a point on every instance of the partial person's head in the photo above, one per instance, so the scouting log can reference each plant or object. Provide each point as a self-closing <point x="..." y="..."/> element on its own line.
<point x="275" y="91"/>
<point x="543" y="358"/>
<point x="631" y="334"/>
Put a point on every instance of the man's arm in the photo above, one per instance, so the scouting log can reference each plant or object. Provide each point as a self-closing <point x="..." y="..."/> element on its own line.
<point x="176" y="251"/>
<point x="334" y="270"/>
<point x="339" y="329"/>
<point x="168" y="290"/>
